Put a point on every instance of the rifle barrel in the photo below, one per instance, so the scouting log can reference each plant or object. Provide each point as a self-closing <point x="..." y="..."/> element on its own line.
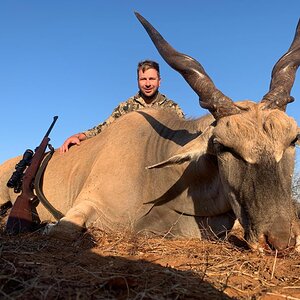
<point x="51" y="126"/>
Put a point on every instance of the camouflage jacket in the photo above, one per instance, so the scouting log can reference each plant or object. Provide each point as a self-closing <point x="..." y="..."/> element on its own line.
<point x="134" y="103"/>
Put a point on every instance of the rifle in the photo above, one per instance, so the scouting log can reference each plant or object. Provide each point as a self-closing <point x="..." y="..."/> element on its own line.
<point x="23" y="216"/>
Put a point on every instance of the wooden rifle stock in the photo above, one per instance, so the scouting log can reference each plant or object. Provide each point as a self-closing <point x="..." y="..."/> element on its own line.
<point x="22" y="217"/>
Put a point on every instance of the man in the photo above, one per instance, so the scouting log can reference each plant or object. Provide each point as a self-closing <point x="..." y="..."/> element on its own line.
<point x="148" y="96"/>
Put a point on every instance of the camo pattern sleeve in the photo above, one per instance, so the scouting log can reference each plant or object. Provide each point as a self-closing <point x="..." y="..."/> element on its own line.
<point x="122" y="109"/>
<point x="134" y="103"/>
<point x="174" y="106"/>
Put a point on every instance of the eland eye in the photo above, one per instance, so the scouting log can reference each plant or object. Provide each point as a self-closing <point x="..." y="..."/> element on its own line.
<point x="222" y="149"/>
<point x="219" y="147"/>
<point x="295" y="140"/>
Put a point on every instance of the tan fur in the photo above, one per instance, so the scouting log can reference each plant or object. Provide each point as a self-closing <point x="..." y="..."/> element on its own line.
<point x="260" y="130"/>
<point x="105" y="182"/>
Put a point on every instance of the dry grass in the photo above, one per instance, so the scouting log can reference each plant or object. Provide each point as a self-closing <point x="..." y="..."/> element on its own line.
<point x="119" y="266"/>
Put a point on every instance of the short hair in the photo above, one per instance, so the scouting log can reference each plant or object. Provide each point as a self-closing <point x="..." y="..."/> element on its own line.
<point x="146" y="65"/>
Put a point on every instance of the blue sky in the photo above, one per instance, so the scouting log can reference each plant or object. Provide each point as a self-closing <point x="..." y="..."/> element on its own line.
<point x="77" y="59"/>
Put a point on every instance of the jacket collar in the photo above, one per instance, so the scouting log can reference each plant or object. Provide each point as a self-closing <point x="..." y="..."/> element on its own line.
<point x="158" y="100"/>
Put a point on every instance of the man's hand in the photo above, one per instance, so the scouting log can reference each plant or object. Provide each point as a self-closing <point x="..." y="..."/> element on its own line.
<point x="72" y="140"/>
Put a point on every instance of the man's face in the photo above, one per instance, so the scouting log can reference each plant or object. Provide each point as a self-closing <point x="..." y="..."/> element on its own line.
<point x="148" y="82"/>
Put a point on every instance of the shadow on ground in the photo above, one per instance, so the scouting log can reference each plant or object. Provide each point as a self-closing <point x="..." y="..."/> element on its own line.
<point x="34" y="266"/>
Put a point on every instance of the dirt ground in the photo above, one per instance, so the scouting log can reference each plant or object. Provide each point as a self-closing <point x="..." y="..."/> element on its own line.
<point x="121" y="266"/>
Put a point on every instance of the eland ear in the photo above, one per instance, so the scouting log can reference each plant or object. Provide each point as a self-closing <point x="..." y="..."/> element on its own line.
<point x="175" y="160"/>
<point x="189" y="152"/>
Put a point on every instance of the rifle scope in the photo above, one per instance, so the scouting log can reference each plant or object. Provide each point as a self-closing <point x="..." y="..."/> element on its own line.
<point x="15" y="180"/>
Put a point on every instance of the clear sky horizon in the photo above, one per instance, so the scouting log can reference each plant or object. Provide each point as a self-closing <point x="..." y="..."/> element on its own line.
<point x="77" y="59"/>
